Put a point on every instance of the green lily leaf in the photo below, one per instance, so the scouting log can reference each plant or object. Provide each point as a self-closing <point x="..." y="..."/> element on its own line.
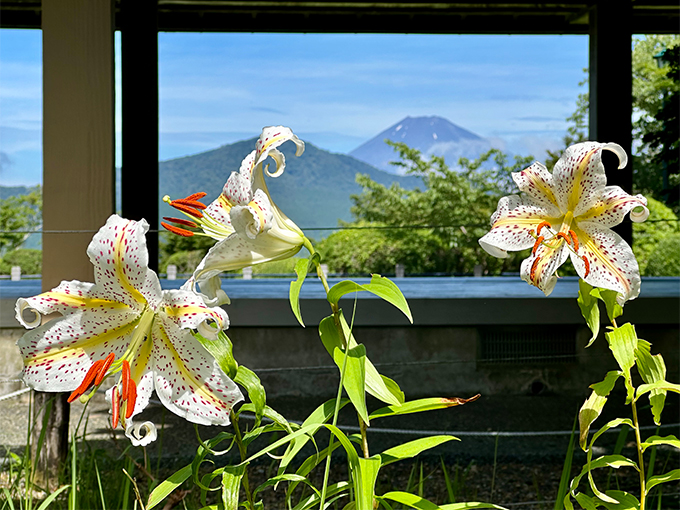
<point x="379" y="286"/>
<point x="652" y="369"/>
<point x="222" y="350"/>
<point x="231" y="486"/>
<point x="657" y="440"/>
<point x="589" y="309"/>
<point x="622" y="342"/>
<point x="334" y="491"/>
<point x="354" y="380"/>
<point x="659" y="385"/>
<point x="165" y="488"/>
<point x="289" y="477"/>
<point x="592" y="407"/>
<point x="625" y="501"/>
<point x="424" y="404"/>
<point x="320" y="415"/>
<point x="413" y="448"/>
<point x="364" y="483"/>
<point x="614" y="309"/>
<point x="406" y="498"/>
<point x="671" y="476"/>
<point x="251" y="382"/>
<point x="302" y="267"/>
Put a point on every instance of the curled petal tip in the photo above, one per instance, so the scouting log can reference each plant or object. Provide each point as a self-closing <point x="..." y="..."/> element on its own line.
<point x="620" y="153"/>
<point x="209" y="329"/>
<point x="639" y="214"/>
<point x="23" y="306"/>
<point x="141" y="434"/>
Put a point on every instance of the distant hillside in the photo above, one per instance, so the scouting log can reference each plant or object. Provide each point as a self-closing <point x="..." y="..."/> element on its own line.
<point x="430" y="135"/>
<point x="313" y="191"/>
<point x="10" y="191"/>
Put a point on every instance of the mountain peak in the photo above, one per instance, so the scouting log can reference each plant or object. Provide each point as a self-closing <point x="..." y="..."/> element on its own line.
<point x="431" y="135"/>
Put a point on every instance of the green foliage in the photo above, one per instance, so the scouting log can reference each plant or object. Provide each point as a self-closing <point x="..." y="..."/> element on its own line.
<point x="648" y="235"/>
<point x="19" y="213"/>
<point x="29" y="260"/>
<point x="656" y="88"/>
<point x="450" y="212"/>
<point x="665" y="259"/>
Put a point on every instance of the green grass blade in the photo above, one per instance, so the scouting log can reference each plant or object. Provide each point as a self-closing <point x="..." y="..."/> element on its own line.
<point x="566" y="469"/>
<point x="50" y="498"/>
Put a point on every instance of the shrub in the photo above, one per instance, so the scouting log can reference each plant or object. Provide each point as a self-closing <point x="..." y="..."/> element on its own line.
<point x="29" y="260"/>
<point x="665" y="259"/>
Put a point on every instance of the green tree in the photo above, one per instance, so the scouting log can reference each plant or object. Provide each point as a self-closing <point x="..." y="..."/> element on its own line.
<point x="29" y="260"/>
<point x="648" y="236"/>
<point x="433" y="229"/>
<point x="18" y="215"/>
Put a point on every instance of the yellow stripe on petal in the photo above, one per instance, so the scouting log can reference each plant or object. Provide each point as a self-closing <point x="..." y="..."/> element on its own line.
<point x="576" y="190"/>
<point x="200" y="388"/>
<point x="120" y="246"/>
<point x="605" y="264"/>
<point x="75" y="301"/>
<point x="81" y="345"/>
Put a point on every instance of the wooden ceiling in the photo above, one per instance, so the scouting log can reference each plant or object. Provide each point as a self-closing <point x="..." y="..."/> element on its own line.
<point x="354" y="16"/>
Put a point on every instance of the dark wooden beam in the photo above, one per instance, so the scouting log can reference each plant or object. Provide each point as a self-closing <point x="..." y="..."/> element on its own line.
<point x="139" y="83"/>
<point x="611" y="89"/>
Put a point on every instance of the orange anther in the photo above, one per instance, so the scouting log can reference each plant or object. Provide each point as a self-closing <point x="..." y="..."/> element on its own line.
<point x="125" y="379"/>
<point x="538" y="242"/>
<point x="87" y="381"/>
<point x="574" y="240"/>
<point x="196" y="196"/>
<point x="177" y="230"/>
<point x="180" y="221"/>
<point x="115" y="411"/>
<point x="585" y="261"/>
<point x="540" y="226"/>
<point x="532" y="273"/>
<point x="102" y="371"/>
<point x="131" y="399"/>
<point x="190" y="203"/>
<point x="563" y="236"/>
<point x="185" y="208"/>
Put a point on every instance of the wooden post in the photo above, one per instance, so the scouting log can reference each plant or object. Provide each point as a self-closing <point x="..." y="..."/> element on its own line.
<point x="78" y="163"/>
<point x="139" y="73"/>
<point x="611" y="89"/>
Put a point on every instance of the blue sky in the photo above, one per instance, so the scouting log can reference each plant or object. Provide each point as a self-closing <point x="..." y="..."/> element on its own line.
<point x="333" y="90"/>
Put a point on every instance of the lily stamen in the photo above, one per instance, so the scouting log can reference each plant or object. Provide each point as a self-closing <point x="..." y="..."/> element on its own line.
<point x="196" y="196"/>
<point x="105" y="367"/>
<point x="177" y="230"/>
<point x="540" y="226"/>
<point x="574" y="240"/>
<point x="532" y="273"/>
<point x="125" y="378"/>
<point x="587" y="264"/>
<point x="564" y="236"/>
<point x="539" y="241"/>
<point x="131" y="399"/>
<point x="190" y="203"/>
<point x="186" y="209"/>
<point x="115" y="403"/>
<point x="87" y="381"/>
<point x="181" y="221"/>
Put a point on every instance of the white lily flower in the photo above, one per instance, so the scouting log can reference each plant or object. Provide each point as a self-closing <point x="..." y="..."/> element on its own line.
<point x="125" y="326"/>
<point x="569" y="213"/>
<point x="249" y="227"/>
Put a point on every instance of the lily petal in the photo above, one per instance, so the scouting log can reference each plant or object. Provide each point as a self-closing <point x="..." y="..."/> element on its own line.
<point x="579" y="174"/>
<point x="612" y="263"/>
<point x="237" y="190"/>
<point x="121" y="263"/>
<point x="272" y="137"/>
<point x="537" y="183"/>
<point x="511" y="225"/>
<point x="189" y="381"/>
<point x="539" y="269"/>
<point x="188" y="311"/>
<point x="252" y="219"/>
<point x="612" y="207"/>
<point x="58" y="354"/>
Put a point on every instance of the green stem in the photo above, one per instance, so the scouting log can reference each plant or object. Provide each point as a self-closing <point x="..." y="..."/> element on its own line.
<point x="242" y="451"/>
<point x="641" y="460"/>
<point x="336" y="412"/>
